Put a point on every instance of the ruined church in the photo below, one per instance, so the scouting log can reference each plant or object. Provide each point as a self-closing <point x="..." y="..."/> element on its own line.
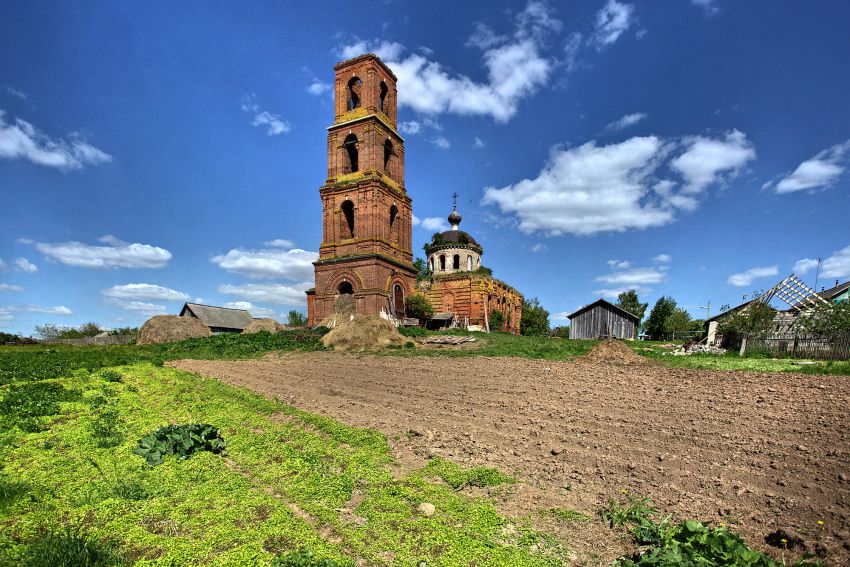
<point x="366" y="253"/>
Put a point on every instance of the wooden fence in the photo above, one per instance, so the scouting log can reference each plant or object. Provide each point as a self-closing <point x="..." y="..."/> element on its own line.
<point x="800" y="346"/>
<point x="108" y="340"/>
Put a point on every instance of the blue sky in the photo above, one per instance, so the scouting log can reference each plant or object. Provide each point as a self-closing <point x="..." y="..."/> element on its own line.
<point x="161" y="152"/>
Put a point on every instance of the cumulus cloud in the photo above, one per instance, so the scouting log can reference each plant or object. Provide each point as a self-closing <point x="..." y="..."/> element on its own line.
<point x="663" y="259"/>
<point x="591" y="189"/>
<point x="144" y="291"/>
<point x="141" y="307"/>
<point x="434" y="224"/>
<point x="116" y="254"/>
<point x="318" y="88"/>
<point x="277" y="294"/>
<point x="277" y="262"/>
<point x="24" y="265"/>
<point x="626" y="121"/>
<point x="441" y="142"/>
<point x="820" y="171"/>
<point x="634" y="277"/>
<point x="410" y="127"/>
<point x="616" y="291"/>
<point x="748" y="277"/>
<point x="708" y="6"/>
<point x="477" y="143"/>
<point x="274" y="123"/>
<point x="10" y="287"/>
<point x="280" y="243"/>
<point x="805" y="266"/>
<point x="538" y="247"/>
<point x="255" y="310"/>
<point x="620" y="264"/>
<point x="611" y="21"/>
<point x="707" y="160"/>
<point x="21" y="140"/>
<point x="837" y="265"/>
<point x="515" y="66"/>
<point x="58" y="310"/>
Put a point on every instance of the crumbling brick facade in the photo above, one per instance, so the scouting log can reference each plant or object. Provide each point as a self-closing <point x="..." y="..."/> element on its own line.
<point x="471" y="295"/>
<point x="366" y="213"/>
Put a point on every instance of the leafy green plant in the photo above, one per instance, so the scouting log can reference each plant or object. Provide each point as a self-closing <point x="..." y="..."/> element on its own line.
<point x="119" y="486"/>
<point x="182" y="441"/>
<point x="534" y="319"/>
<point x="105" y="429"/>
<point x="457" y="477"/>
<point x="71" y="546"/>
<point x="418" y="306"/>
<point x="111" y="376"/>
<point x="11" y="491"/>
<point x="304" y="558"/>
<point x="24" y="405"/>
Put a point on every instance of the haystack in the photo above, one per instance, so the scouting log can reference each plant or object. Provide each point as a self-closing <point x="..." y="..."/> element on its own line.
<point x="263" y="324"/>
<point x="344" y="308"/>
<point x="613" y="351"/>
<point x="363" y="332"/>
<point x="168" y="328"/>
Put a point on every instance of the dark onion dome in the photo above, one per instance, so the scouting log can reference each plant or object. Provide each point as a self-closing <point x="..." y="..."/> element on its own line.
<point x="452" y="239"/>
<point x="455" y="218"/>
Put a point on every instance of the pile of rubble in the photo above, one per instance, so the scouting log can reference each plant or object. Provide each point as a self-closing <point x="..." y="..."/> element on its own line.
<point x="687" y="350"/>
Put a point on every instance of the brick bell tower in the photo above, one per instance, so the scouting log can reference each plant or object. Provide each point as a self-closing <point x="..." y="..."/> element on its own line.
<point x="366" y="213"/>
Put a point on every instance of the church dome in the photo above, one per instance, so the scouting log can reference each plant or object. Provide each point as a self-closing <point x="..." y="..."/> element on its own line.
<point x="455" y="218"/>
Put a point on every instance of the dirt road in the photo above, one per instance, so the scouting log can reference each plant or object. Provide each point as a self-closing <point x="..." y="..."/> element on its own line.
<point x="770" y="451"/>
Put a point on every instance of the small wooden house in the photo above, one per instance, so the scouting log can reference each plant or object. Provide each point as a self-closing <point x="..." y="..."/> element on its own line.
<point x="603" y="319"/>
<point x="218" y="319"/>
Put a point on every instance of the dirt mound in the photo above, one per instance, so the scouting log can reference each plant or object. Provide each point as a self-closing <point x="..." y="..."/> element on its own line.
<point x="344" y="308"/>
<point x="263" y="324"/>
<point x="168" y="328"/>
<point x="363" y="332"/>
<point x="614" y="352"/>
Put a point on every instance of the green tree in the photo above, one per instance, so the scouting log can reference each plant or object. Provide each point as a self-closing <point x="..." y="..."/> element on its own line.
<point x="497" y="320"/>
<point x="418" y="306"/>
<point x="677" y="323"/>
<point x="754" y="319"/>
<point x="562" y="332"/>
<point x="662" y="309"/>
<point x="629" y="301"/>
<point x="827" y="320"/>
<point x="535" y="319"/>
<point x="421" y="269"/>
<point x="90" y="329"/>
<point x="296" y="319"/>
<point x="48" y="331"/>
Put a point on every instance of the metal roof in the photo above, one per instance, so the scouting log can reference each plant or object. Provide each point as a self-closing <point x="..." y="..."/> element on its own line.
<point x="603" y="302"/>
<point x="221" y="317"/>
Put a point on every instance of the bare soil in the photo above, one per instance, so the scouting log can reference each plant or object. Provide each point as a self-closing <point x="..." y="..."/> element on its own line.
<point x="768" y="451"/>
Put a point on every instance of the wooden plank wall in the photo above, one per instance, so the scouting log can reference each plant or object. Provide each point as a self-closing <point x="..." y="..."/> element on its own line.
<point x="599" y="321"/>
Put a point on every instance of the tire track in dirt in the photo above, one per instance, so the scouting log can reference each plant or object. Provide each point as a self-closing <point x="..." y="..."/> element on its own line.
<point x="768" y="449"/>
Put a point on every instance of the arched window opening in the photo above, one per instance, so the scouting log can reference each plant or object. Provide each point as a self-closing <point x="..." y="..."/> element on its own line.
<point x="393" y="215"/>
<point x="388" y="153"/>
<point x="348" y="213"/>
<point x="398" y="300"/>
<point x="382" y="105"/>
<point x="469" y="263"/>
<point x="431" y="264"/>
<point x="442" y="262"/>
<point x="456" y="262"/>
<point x="350" y="145"/>
<point x="354" y="93"/>
<point x="345" y="288"/>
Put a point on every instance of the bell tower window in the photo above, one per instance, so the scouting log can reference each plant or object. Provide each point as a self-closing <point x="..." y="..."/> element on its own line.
<point x="388" y="154"/>
<point x="348" y="213"/>
<point x="350" y="145"/>
<point x="382" y="104"/>
<point x="393" y="215"/>
<point x="354" y="93"/>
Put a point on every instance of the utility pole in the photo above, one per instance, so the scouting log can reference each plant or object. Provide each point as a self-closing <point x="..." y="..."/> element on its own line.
<point x="817" y="275"/>
<point x="707" y="308"/>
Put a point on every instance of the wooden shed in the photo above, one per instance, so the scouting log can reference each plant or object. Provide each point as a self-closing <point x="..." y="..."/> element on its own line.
<point x="602" y="319"/>
<point x="218" y="319"/>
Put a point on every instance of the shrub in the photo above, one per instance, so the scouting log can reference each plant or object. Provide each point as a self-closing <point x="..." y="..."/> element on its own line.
<point x="418" y="306"/>
<point x="182" y="441"/>
<point x="535" y="319"/>
<point x="296" y="319"/>
<point x="497" y="320"/>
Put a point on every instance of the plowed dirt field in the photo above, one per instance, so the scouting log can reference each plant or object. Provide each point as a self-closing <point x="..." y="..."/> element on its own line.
<point x="769" y="451"/>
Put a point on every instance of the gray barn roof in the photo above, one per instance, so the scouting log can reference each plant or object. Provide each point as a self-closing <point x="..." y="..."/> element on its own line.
<point x="581" y="310"/>
<point x="221" y="317"/>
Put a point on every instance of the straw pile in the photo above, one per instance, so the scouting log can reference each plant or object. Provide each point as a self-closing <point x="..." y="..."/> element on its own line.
<point x="263" y="324"/>
<point x="614" y="352"/>
<point x="363" y="332"/>
<point x="343" y="311"/>
<point x="169" y="328"/>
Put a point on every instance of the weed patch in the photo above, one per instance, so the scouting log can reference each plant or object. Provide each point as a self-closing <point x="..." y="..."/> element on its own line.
<point x="69" y="547"/>
<point x="182" y="441"/>
<point x="24" y="405"/>
<point x="458" y="478"/>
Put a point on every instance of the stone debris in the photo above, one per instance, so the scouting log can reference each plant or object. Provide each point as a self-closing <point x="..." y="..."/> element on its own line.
<point x="687" y="350"/>
<point x="447" y="340"/>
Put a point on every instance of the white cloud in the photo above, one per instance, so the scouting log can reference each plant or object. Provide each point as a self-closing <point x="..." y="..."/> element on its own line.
<point x="538" y="247"/>
<point x="441" y="142"/>
<point x="837" y="265"/>
<point x="58" y="310"/>
<point x="515" y="67"/>
<point x="277" y="294"/>
<point x="588" y="189"/>
<point x="614" y="292"/>
<point x="560" y="316"/>
<point x="10" y="287"/>
<point x="280" y="243"/>
<point x="634" y="277"/>
<point x="24" y="265"/>
<point x="274" y="123"/>
<point x="144" y="291"/>
<point x="435" y="224"/>
<point x="662" y="259"/>
<point x="708" y="6"/>
<point x="620" y="264"/>
<point x="141" y="307"/>
<point x="747" y="278"/>
<point x="21" y="140"/>
<point x="707" y="160"/>
<point x="626" y="121"/>
<point x="118" y="255"/>
<point x="805" y="265"/>
<point x="16" y="93"/>
<point x="820" y="171"/>
<point x="318" y="88"/>
<point x="280" y="262"/>
<point x="477" y="143"/>
<point x="255" y="310"/>
<point x="611" y="21"/>
<point x="410" y="127"/>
